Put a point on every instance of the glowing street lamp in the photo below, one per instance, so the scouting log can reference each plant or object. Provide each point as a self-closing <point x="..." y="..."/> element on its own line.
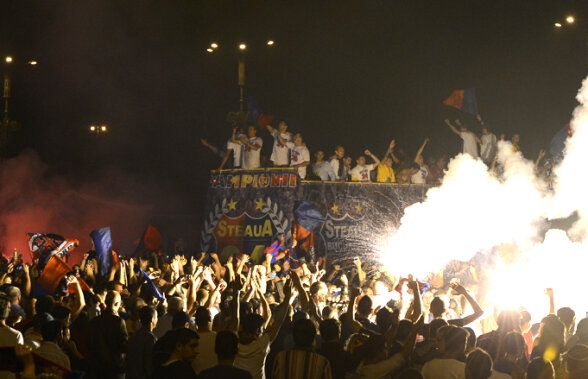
<point x="214" y="45"/>
<point x="270" y="42"/>
<point x="98" y="129"/>
<point x="33" y="63"/>
<point x="8" y="59"/>
<point x="210" y="50"/>
<point x="557" y="25"/>
<point x="570" y="19"/>
<point x="242" y="46"/>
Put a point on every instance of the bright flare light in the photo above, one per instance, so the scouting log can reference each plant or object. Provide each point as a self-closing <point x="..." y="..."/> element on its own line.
<point x="270" y="42"/>
<point x="92" y="128"/>
<point x="33" y="63"/>
<point x="8" y="59"/>
<point x="557" y="25"/>
<point x="242" y="46"/>
<point x="103" y="128"/>
<point x="570" y="19"/>
<point x="474" y="211"/>
<point x="209" y="50"/>
<point x="214" y="45"/>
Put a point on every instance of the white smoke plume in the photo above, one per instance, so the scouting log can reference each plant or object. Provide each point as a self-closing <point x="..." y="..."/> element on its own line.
<point x="475" y="211"/>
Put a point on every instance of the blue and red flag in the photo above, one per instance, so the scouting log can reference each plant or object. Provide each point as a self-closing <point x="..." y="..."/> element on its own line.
<point x="151" y="240"/>
<point x="260" y="119"/>
<point x="464" y="100"/>
<point x="103" y="245"/>
<point x="307" y="218"/>
<point x="275" y="249"/>
<point x="44" y="245"/>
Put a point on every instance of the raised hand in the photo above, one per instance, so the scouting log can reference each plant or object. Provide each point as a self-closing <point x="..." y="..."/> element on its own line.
<point x="458" y="288"/>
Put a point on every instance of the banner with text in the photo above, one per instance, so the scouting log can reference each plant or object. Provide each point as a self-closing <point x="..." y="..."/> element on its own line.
<point x="360" y="216"/>
<point x="246" y="209"/>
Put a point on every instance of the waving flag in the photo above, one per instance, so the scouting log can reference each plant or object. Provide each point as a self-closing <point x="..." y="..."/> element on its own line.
<point x="44" y="246"/>
<point x="103" y="245"/>
<point x="151" y="240"/>
<point x="307" y="218"/>
<point x="464" y="100"/>
<point x="259" y="119"/>
<point x="152" y="286"/>
<point x="53" y="273"/>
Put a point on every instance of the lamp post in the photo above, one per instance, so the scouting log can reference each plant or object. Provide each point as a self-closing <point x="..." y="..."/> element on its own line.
<point x="571" y="20"/>
<point x="240" y="117"/>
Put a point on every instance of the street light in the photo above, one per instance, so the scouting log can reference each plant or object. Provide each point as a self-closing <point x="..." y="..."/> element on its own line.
<point x="8" y="59"/>
<point x="570" y="19"/>
<point x="241" y="116"/>
<point x="98" y="129"/>
<point x="33" y="63"/>
<point x="557" y="25"/>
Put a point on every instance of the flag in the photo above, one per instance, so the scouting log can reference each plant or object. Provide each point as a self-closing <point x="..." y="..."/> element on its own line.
<point x="307" y="217"/>
<point x="558" y="142"/>
<point x="44" y="246"/>
<point x="53" y="273"/>
<point x="259" y="119"/>
<point x="103" y="245"/>
<point x="464" y="100"/>
<point x="274" y="249"/>
<point x="152" y="286"/>
<point x="151" y="240"/>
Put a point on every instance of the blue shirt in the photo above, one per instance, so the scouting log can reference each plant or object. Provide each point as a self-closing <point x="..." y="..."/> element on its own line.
<point x="324" y="171"/>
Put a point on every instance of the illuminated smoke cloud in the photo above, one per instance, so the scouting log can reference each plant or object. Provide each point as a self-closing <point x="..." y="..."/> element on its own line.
<point x="471" y="211"/>
<point x="31" y="200"/>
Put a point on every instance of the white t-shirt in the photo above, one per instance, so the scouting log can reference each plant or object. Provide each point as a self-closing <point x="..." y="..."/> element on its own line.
<point x="251" y="156"/>
<point x="443" y="369"/>
<point x="469" y="144"/>
<point x="361" y="173"/>
<point x="251" y="357"/>
<point x="420" y="177"/>
<point x="280" y="153"/>
<point x="237" y="157"/>
<point x="10" y="337"/>
<point x="488" y="147"/>
<point x="299" y="154"/>
<point x="206" y="357"/>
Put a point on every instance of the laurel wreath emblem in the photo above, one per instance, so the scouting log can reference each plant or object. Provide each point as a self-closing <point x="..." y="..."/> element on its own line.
<point x="271" y="209"/>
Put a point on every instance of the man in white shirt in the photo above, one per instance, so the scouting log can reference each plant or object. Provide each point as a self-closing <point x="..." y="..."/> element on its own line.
<point x="206" y="357"/>
<point x="337" y="163"/>
<point x="280" y="151"/>
<point x="251" y="146"/>
<point x="420" y="177"/>
<point x="234" y="146"/>
<point x="488" y="146"/>
<point x="299" y="155"/>
<point x="361" y="172"/>
<point x="469" y="139"/>
<point x="322" y="168"/>
<point x="8" y="336"/>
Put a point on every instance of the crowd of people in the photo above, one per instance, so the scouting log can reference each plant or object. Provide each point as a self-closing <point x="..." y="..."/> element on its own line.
<point x="290" y="150"/>
<point x="205" y="316"/>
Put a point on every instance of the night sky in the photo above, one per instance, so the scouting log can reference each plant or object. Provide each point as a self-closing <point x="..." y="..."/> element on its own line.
<point x="356" y="73"/>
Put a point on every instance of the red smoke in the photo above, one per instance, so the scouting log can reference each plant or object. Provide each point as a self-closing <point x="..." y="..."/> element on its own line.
<point x="32" y="200"/>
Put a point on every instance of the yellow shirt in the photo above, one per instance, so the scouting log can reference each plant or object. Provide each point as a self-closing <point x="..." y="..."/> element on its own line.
<point x="385" y="174"/>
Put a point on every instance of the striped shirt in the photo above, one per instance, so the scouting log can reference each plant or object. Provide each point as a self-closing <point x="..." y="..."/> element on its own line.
<point x="301" y="364"/>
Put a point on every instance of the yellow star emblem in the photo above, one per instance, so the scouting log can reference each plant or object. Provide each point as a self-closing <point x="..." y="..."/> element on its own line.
<point x="232" y="205"/>
<point x="259" y="204"/>
<point x="358" y="208"/>
<point x="335" y="208"/>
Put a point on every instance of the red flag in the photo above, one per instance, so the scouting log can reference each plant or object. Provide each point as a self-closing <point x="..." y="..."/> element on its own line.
<point x="152" y="238"/>
<point x="53" y="273"/>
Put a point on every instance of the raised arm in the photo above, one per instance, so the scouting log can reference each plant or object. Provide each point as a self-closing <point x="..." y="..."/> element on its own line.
<point x="282" y="312"/>
<point x="369" y="153"/>
<point x="453" y="128"/>
<point x="418" y="154"/>
<point x="478" y="312"/>
<point x="246" y="142"/>
<point x="549" y="293"/>
<point x="234" y="323"/>
<point x="539" y="157"/>
<point x="225" y="159"/>
<point x="416" y="303"/>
